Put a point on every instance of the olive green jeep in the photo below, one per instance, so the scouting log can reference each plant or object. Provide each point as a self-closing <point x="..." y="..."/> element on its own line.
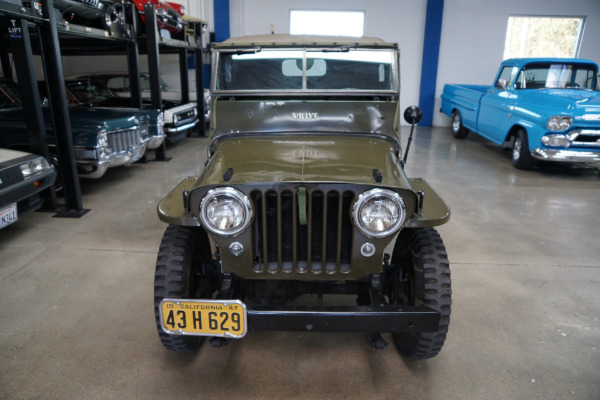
<point x="303" y="205"/>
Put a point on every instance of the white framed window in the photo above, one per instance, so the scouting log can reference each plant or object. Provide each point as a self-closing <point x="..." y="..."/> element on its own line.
<point x="327" y="23"/>
<point x="543" y="36"/>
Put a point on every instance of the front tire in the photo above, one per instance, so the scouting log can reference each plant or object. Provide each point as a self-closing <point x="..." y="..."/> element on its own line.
<point x="422" y="278"/>
<point x="458" y="129"/>
<point x="521" y="157"/>
<point x="183" y="271"/>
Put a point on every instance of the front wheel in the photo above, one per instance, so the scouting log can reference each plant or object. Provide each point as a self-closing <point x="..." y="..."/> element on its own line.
<point x="182" y="271"/>
<point x="521" y="157"/>
<point x="458" y="129"/>
<point x="421" y="277"/>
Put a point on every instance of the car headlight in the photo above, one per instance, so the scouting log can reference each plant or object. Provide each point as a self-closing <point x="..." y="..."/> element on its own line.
<point x="559" y="123"/>
<point x="32" y="167"/>
<point x="225" y="211"/>
<point x="160" y="121"/>
<point x="556" y="140"/>
<point x="379" y="212"/>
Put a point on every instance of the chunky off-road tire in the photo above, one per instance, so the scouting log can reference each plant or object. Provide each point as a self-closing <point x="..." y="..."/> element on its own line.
<point x="181" y="272"/>
<point x="423" y="278"/>
<point x="458" y="129"/>
<point x="521" y="157"/>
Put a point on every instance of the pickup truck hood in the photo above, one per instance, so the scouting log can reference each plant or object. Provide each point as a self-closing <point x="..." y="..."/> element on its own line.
<point x="295" y="158"/>
<point x="576" y="102"/>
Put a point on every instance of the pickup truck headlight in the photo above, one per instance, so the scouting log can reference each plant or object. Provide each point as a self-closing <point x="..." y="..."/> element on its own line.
<point x="556" y="140"/>
<point x="379" y="212"/>
<point x="559" y="123"/>
<point x="225" y="211"/>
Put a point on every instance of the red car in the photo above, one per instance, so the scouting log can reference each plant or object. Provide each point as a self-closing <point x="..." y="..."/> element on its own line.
<point x="168" y="15"/>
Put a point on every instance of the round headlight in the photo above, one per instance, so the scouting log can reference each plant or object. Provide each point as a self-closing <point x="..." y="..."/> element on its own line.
<point x="559" y="123"/>
<point x="225" y="211"/>
<point x="379" y="212"/>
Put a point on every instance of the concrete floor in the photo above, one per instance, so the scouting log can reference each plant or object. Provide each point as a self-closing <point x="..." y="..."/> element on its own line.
<point x="76" y="314"/>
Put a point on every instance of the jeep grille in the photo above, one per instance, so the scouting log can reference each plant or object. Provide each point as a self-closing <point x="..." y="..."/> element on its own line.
<point x="283" y="244"/>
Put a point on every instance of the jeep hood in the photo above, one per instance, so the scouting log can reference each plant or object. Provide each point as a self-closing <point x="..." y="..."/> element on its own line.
<point x="305" y="159"/>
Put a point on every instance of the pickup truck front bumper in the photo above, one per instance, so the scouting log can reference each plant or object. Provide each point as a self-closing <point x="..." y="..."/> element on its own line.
<point x="566" y="155"/>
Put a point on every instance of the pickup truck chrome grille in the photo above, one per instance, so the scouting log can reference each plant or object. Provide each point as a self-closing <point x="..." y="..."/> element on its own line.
<point x="124" y="140"/>
<point x="586" y="138"/>
<point x="284" y="244"/>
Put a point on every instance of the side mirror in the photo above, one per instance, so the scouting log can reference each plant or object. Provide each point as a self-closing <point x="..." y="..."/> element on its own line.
<point x="501" y="84"/>
<point x="413" y="115"/>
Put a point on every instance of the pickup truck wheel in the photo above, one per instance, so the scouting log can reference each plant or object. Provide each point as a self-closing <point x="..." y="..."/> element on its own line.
<point x="458" y="129"/>
<point x="422" y="278"/>
<point x="521" y="158"/>
<point x="182" y="272"/>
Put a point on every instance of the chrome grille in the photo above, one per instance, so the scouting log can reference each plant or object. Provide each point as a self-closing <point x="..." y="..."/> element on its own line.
<point x="586" y="138"/>
<point x="283" y="244"/>
<point x="121" y="141"/>
<point x="185" y="115"/>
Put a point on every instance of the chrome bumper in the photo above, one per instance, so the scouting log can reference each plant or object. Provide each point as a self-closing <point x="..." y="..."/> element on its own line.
<point x="180" y="128"/>
<point x="95" y="169"/>
<point x="566" y="155"/>
<point x="154" y="141"/>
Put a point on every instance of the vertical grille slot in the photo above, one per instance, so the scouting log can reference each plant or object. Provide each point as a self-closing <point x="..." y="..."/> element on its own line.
<point x="121" y="141"/>
<point x="282" y="244"/>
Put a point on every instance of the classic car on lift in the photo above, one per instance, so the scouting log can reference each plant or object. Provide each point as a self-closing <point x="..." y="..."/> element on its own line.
<point x="178" y="117"/>
<point x="304" y="199"/>
<point x="168" y="15"/>
<point x="93" y="94"/>
<point x="103" y="14"/>
<point x="101" y="138"/>
<point x="23" y="176"/>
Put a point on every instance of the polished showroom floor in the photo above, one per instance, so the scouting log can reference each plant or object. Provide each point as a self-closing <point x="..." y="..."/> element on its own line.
<point x="76" y="313"/>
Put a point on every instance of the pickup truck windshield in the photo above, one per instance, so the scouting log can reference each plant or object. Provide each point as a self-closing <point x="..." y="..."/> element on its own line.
<point x="299" y="70"/>
<point x="550" y="76"/>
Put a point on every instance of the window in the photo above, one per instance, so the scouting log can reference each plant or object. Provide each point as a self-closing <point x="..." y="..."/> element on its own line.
<point x="543" y="37"/>
<point x="550" y="75"/>
<point x="308" y="70"/>
<point x="332" y="23"/>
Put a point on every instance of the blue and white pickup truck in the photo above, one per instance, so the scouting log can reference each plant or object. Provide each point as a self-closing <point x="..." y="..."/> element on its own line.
<point x="541" y="108"/>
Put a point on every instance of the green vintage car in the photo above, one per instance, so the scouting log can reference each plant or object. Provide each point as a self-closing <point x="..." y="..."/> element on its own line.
<point x="101" y="138"/>
<point x="304" y="202"/>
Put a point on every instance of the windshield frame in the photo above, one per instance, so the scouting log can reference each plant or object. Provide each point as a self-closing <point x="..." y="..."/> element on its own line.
<point x="304" y="91"/>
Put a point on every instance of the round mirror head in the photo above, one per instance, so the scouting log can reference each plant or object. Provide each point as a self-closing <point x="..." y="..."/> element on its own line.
<point x="413" y="115"/>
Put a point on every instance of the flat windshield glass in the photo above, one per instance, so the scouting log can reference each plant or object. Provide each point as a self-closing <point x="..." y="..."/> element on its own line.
<point x="557" y="75"/>
<point x="340" y="69"/>
<point x="89" y="91"/>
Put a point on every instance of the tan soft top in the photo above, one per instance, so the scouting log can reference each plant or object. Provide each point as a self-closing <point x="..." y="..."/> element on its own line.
<point x="302" y="41"/>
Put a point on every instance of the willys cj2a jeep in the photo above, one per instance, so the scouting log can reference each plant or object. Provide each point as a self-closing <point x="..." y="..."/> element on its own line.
<point x="302" y="192"/>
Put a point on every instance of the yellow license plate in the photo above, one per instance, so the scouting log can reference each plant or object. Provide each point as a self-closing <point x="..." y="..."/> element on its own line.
<point x="220" y="318"/>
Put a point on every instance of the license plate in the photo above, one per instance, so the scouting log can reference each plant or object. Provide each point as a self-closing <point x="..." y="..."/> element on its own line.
<point x="8" y="215"/>
<point x="218" y="318"/>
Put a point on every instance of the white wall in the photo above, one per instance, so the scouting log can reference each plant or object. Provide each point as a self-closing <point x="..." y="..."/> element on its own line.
<point x="472" y="43"/>
<point x="473" y="34"/>
<point x="400" y="21"/>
